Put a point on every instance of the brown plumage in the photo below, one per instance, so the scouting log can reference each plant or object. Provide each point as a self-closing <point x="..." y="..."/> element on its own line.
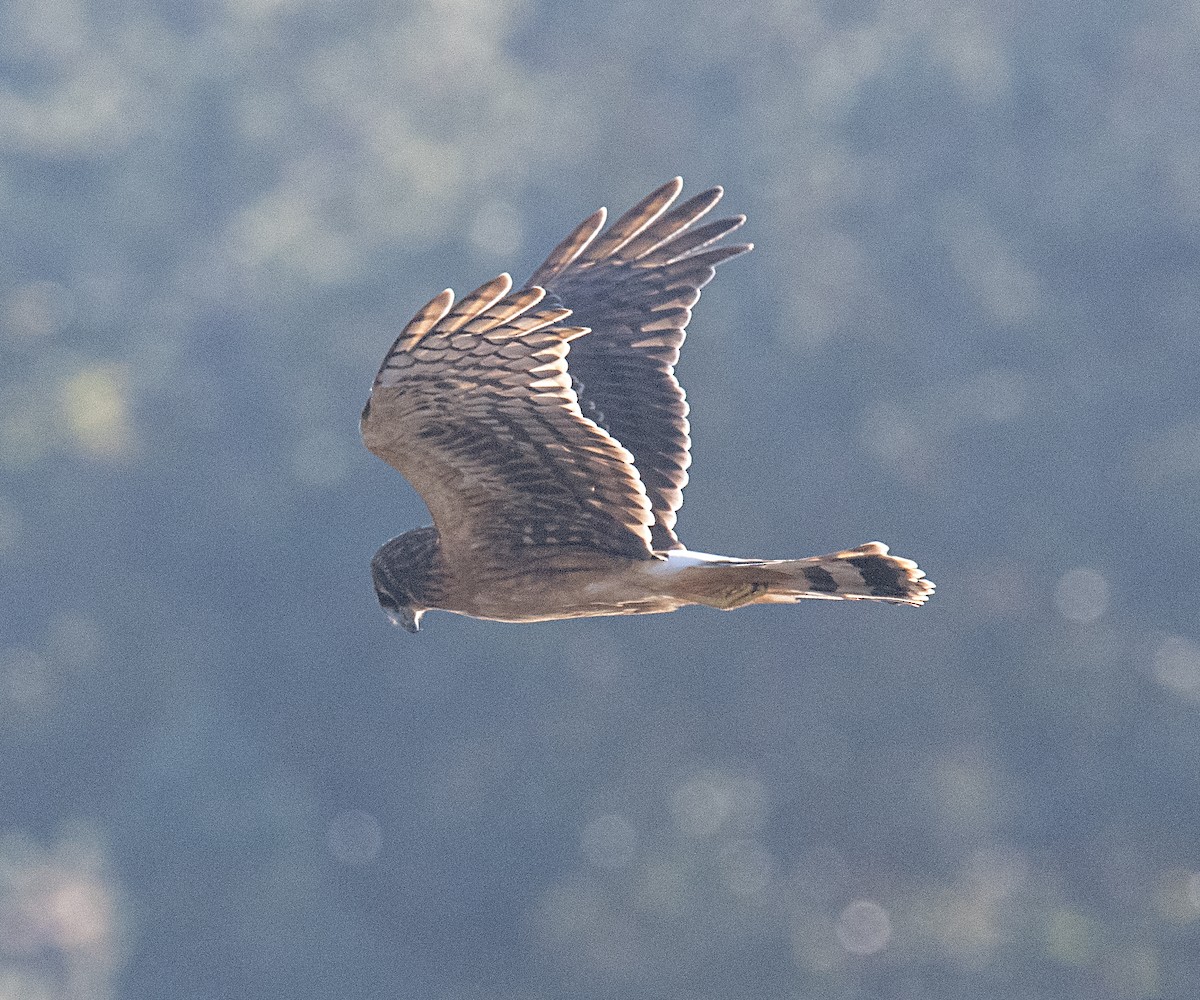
<point x="553" y="456"/>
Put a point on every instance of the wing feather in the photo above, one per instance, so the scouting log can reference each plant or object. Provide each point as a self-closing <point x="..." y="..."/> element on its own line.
<point x="565" y="254"/>
<point x="634" y="286"/>
<point x="477" y="303"/>
<point x="474" y="405"/>
<point x="691" y="241"/>
<point x="632" y="223"/>
<point x="679" y="218"/>
<point x="430" y="315"/>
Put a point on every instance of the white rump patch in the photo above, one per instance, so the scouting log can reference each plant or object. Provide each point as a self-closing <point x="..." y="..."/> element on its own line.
<point x="681" y="559"/>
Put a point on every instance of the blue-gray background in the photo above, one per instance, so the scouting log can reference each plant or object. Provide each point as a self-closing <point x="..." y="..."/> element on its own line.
<point x="969" y="330"/>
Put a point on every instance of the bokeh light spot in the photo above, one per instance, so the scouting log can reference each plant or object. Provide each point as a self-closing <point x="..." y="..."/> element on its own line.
<point x="970" y="794"/>
<point x="1177" y="896"/>
<point x="864" y="927"/>
<point x="704" y="805"/>
<point x="59" y="919"/>
<point x="977" y="60"/>
<point x="1081" y="595"/>
<point x="1071" y="937"/>
<point x="96" y="411"/>
<point x="1005" y="288"/>
<point x="35" y="310"/>
<point x="354" y="837"/>
<point x="25" y="680"/>
<point x="1177" y="666"/>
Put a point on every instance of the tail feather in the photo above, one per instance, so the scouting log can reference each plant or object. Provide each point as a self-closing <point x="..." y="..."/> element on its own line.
<point x="865" y="573"/>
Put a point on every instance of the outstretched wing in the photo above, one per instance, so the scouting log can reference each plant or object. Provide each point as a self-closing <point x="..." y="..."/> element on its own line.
<point x="474" y="406"/>
<point x="634" y="286"/>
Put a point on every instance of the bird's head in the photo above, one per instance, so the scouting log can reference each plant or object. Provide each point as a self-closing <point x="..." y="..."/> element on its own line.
<point x="402" y="571"/>
<point x="400" y="611"/>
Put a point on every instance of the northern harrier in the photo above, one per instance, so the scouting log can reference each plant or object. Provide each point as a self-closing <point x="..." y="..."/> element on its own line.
<point x="553" y="457"/>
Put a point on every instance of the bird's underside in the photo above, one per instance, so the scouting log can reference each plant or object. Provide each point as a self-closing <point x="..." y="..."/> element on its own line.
<point x="590" y="587"/>
<point x="553" y="457"/>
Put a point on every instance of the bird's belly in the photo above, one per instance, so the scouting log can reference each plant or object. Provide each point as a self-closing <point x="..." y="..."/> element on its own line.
<point x="574" y="595"/>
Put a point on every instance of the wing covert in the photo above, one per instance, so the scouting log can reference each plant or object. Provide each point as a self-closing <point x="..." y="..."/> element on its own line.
<point x="473" y="404"/>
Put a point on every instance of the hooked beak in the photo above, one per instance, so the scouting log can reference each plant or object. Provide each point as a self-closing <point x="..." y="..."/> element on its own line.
<point x="406" y="618"/>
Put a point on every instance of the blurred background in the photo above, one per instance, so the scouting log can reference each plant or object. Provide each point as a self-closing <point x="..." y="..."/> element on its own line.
<point x="968" y="330"/>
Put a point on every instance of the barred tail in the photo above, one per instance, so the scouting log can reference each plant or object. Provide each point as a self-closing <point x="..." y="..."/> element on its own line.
<point x="865" y="573"/>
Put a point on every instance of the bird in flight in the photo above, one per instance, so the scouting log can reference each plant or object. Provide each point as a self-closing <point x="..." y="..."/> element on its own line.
<point x="546" y="432"/>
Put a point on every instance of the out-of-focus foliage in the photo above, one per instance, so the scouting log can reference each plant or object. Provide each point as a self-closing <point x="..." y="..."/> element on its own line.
<point x="969" y="329"/>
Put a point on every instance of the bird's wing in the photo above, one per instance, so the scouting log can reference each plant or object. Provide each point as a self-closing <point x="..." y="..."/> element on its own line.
<point x="474" y="406"/>
<point x="634" y="286"/>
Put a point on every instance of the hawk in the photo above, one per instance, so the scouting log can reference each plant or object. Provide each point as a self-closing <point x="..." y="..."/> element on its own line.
<point x="547" y="434"/>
